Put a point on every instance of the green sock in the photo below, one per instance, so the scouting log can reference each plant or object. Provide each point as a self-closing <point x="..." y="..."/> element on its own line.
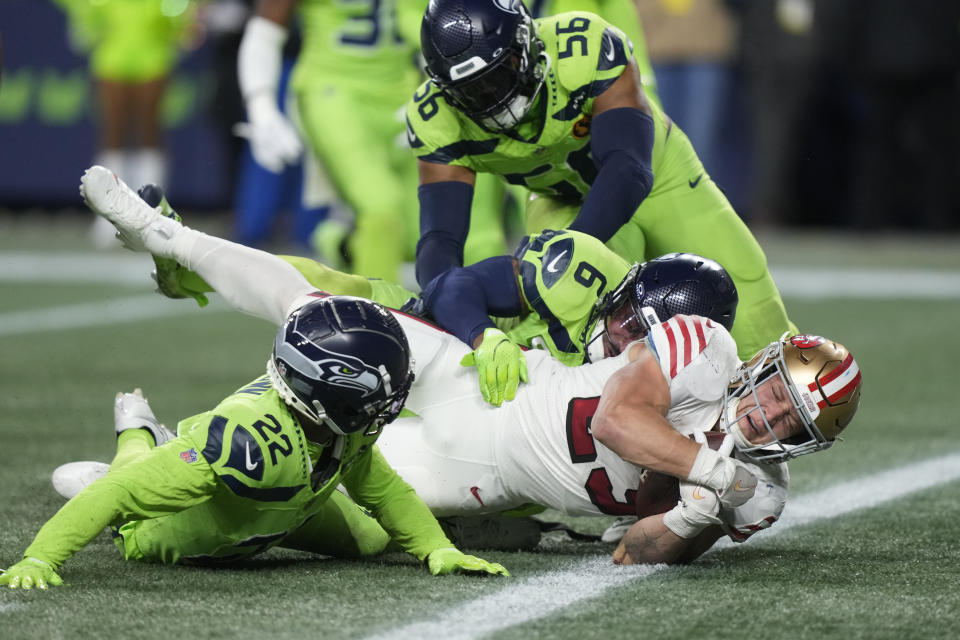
<point x="132" y="444"/>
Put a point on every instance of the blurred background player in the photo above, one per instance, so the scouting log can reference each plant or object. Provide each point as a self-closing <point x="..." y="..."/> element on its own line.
<point x="355" y="71"/>
<point x="559" y="109"/>
<point x="133" y="46"/>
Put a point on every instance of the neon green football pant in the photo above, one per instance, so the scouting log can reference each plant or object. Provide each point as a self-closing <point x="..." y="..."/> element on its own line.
<point x="685" y="211"/>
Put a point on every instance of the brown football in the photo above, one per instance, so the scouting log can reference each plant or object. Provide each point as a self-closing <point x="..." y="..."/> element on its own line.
<point x="658" y="492"/>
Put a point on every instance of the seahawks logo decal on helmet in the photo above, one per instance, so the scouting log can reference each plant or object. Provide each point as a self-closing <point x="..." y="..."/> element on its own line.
<point x="341" y="370"/>
<point x="510" y="6"/>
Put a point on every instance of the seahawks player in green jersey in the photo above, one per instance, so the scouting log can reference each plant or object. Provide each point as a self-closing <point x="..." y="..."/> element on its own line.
<point x="261" y="469"/>
<point x="556" y="105"/>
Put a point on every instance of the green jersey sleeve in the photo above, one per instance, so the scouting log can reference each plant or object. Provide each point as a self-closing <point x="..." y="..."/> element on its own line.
<point x="562" y="275"/>
<point x="376" y="486"/>
<point x="168" y="479"/>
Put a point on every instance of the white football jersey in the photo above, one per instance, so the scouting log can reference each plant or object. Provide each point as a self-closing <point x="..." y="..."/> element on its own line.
<point x="464" y="456"/>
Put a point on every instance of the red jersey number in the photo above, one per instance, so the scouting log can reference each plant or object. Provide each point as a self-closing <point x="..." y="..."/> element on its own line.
<point x="583" y="450"/>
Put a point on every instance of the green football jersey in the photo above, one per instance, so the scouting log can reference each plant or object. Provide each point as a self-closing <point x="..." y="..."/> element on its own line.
<point x="550" y="155"/>
<point x="562" y="275"/>
<point x="236" y="481"/>
<point x="364" y="44"/>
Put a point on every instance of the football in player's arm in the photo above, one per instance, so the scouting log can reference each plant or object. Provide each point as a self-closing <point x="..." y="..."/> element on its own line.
<point x="261" y="469"/>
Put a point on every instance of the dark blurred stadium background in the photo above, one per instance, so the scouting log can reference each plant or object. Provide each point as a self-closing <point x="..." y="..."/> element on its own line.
<point x="850" y="121"/>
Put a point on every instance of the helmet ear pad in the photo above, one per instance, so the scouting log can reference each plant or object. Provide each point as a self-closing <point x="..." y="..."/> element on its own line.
<point x="485" y="57"/>
<point x="342" y="362"/>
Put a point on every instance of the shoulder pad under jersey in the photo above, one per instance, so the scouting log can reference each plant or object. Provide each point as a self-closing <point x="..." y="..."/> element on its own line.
<point x="439" y="133"/>
<point x="696" y="352"/>
<point x="563" y="273"/>
<point x="258" y="455"/>
<point x="588" y="53"/>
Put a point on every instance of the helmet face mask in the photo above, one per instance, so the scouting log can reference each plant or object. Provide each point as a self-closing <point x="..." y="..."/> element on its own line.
<point x="342" y="363"/>
<point x="485" y="57"/>
<point x="822" y="384"/>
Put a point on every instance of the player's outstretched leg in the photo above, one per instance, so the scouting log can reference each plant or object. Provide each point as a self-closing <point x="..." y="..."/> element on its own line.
<point x="107" y="195"/>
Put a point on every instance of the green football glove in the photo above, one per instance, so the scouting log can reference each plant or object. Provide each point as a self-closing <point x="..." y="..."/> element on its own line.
<point x="30" y="573"/>
<point x="500" y="365"/>
<point x="173" y="279"/>
<point x="450" y="559"/>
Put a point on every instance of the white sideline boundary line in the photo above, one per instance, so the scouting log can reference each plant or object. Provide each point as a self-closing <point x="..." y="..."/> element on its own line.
<point x="97" y="314"/>
<point x="533" y="598"/>
<point x="794" y="282"/>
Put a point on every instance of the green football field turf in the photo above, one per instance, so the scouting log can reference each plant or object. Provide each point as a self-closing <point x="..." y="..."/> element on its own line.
<point x="72" y="336"/>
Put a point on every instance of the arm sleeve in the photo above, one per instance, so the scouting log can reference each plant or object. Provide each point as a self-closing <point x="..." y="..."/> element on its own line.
<point x="156" y="484"/>
<point x="463" y="299"/>
<point x="375" y="485"/>
<point x="259" y="58"/>
<point x="444" y="223"/>
<point x="621" y="141"/>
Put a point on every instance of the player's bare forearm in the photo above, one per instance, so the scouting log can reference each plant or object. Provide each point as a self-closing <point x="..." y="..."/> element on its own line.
<point x="649" y="541"/>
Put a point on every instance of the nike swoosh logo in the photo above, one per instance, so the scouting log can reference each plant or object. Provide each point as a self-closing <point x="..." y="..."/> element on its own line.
<point x="552" y="265"/>
<point x="476" y="494"/>
<point x="251" y="465"/>
<point x="695" y="182"/>
<point x="611" y="53"/>
<point x="697" y="495"/>
<point x="739" y="487"/>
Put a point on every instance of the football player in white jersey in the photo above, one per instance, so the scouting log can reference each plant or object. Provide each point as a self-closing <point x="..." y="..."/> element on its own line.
<point x="579" y="438"/>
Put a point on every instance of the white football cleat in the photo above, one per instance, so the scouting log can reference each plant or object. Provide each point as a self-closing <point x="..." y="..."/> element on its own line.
<point x="107" y="195"/>
<point x="71" y="478"/>
<point x="132" y="411"/>
<point x="616" y="531"/>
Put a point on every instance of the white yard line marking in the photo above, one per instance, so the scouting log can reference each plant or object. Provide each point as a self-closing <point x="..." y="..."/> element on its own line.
<point x="50" y="266"/>
<point x="536" y="597"/>
<point x="96" y="314"/>
<point x="795" y="282"/>
<point x="866" y="284"/>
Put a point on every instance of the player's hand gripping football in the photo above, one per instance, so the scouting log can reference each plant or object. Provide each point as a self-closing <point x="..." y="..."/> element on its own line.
<point x="451" y="560"/>
<point x="717" y="470"/>
<point x="30" y="573"/>
<point x="500" y="364"/>
<point x="699" y="507"/>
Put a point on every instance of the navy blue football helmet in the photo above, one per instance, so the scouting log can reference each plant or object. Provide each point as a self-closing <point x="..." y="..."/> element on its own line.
<point x="343" y="362"/>
<point x="485" y="57"/>
<point x="656" y="291"/>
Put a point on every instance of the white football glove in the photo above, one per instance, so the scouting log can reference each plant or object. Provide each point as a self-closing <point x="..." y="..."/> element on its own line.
<point x="730" y="478"/>
<point x="698" y="509"/>
<point x="274" y="142"/>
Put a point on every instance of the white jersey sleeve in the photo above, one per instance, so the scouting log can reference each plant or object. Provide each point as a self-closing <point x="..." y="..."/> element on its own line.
<point x="698" y="358"/>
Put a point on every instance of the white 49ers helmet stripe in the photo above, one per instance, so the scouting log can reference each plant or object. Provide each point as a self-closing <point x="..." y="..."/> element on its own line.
<point x="838" y="382"/>
<point x="690" y="344"/>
